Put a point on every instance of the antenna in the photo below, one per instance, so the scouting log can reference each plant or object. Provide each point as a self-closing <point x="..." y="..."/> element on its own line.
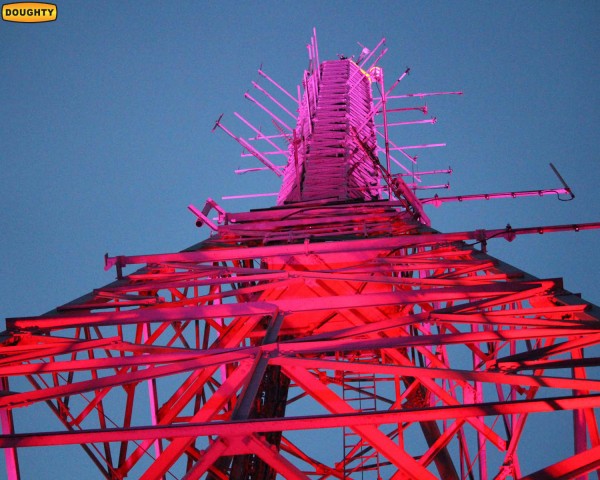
<point x="437" y="200"/>
<point x="315" y="137"/>
<point x="562" y="180"/>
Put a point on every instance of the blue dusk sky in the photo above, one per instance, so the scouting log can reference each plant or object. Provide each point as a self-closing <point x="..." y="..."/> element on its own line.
<point x="106" y="118"/>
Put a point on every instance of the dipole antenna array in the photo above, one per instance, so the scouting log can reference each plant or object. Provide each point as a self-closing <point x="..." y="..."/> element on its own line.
<point x="335" y="335"/>
<point x="398" y="174"/>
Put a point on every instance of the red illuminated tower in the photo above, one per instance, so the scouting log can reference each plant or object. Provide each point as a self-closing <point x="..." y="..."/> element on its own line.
<point x="335" y="335"/>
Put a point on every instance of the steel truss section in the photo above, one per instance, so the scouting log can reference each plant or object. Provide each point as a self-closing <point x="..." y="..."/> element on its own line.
<point x="235" y="355"/>
<point x="331" y="337"/>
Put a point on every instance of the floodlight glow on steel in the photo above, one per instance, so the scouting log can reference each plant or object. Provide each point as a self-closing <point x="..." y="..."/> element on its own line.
<point x="338" y="317"/>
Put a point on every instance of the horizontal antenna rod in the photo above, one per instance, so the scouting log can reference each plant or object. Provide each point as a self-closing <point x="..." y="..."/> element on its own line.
<point x="414" y="122"/>
<point x="429" y="172"/>
<point x="263" y="74"/>
<point x="489" y="196"/>
<point x="420" y="95"/>
<point x="241" y="171"/>
<point x="274" y="100"/>
<point x="248" y="147"/>
<point x="249" y="195"/>
<point x="259" y="134"/>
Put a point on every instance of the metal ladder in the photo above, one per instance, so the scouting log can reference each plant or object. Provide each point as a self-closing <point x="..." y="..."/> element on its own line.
<point x="359" y="390"/>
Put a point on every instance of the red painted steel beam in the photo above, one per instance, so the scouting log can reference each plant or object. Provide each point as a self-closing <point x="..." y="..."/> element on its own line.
<point x="148" y="315"/>
<point x="272" y="457"/>
<point x="7" y="428"/>
<point x="315" y="422"/>
<point x="500" y="317"/>
<point x="556" y="349"/>
<point x="97" y="364"/>
<point x="208" y="458"/>
<point x="336" y="247"/>
<point x="369" y="432"/>
<point x="17" y="400"/>
<point x="427" y="340"/>
<point x="209" y="410"/>
<point x="27" y="351"/>
<point x="569" y="468"/>
<point x="190" y="388"/>
<point x="534" y="381"/>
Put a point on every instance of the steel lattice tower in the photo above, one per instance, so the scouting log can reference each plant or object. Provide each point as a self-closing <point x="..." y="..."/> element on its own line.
<point x="335" y="335"/>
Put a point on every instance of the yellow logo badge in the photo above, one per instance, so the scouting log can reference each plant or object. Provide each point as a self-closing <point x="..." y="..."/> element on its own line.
<point x="29" y="12"/>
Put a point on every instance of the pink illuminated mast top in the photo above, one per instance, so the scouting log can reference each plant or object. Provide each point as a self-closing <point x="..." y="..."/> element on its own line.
<point x="333" y="152"/>
<point x="340" y="144"/>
